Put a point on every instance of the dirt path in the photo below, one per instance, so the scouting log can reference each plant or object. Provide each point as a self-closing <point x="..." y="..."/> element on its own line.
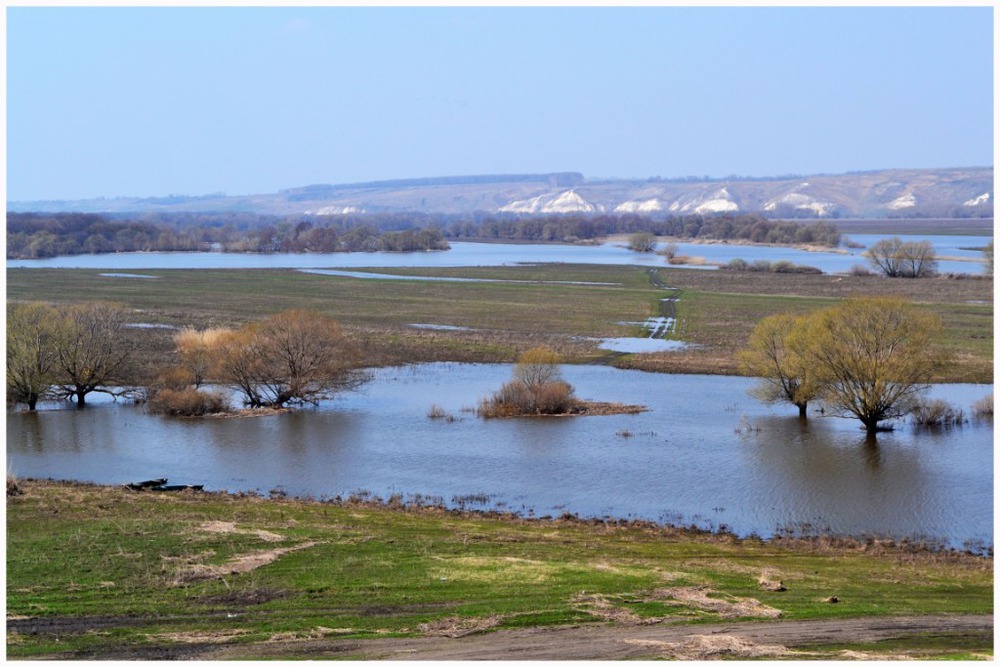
<point x="615" y="642"/>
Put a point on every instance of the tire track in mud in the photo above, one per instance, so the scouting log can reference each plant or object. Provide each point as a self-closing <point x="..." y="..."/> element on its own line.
<point x="668" y="306"/>
<point x="659" y="327"/>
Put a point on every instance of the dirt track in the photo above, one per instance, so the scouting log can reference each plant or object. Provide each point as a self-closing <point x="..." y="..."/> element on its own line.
<point x="606" y="642"/>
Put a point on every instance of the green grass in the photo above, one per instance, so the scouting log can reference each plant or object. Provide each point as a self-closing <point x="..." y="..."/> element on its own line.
<point x="85" y="552"/>
<point x="717" y="309"/>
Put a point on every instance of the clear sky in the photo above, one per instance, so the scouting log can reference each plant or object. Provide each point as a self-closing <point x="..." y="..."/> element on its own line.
<point x="143" y="101"/>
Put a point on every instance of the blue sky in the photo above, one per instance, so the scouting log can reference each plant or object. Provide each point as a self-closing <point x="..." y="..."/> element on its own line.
<point x="138" y="101"/>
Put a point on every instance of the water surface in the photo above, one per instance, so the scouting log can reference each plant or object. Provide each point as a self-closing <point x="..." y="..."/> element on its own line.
<point x="501" y="254"/>
<point x="704" y="453"/>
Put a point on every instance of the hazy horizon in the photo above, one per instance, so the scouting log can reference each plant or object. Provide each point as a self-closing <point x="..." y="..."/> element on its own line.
<point x="144" y="102"/>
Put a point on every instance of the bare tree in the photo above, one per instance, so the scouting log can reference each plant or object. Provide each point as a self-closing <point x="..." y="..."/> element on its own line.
<point x="642" y="242"/>
<point x="93" y="350"/>
<point x="903" y="259"/>
<point x="296" y="356"/>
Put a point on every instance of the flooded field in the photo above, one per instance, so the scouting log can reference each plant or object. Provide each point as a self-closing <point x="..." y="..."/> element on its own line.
<point x="704" y="453"/>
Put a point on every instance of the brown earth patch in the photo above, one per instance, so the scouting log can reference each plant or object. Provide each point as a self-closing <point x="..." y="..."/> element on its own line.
<point x="238" y="565"/>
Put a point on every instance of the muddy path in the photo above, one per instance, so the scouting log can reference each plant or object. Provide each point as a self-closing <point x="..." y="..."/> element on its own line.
<point x="616" y="642"/>
<point x="767" y="639"/>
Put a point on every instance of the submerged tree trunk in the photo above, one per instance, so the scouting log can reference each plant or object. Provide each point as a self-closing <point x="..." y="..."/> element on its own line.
<point x="802" y="405"/>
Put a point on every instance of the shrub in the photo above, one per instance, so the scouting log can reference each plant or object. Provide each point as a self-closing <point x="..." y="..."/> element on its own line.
<point x="983" y="408"/>
<point x="764" y="266"/>
<point x="13" y="485"/>
<point x="936" y="412"/>
<point x="187" y="402"/>
<point x="669" y="251"/>
<point x="515" y="399"/>
<point x="176" y="378"/>
<point x="642" y="242"/>
<point x="860" y="270"/>
<point x="784" y="266"/>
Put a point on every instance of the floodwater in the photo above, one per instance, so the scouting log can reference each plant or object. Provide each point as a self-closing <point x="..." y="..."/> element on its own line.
<point x="705" y="453"/>
<point x="501" y="254"/>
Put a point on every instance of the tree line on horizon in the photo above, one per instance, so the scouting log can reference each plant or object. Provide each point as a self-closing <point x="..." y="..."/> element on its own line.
<point x="40" y="235"/>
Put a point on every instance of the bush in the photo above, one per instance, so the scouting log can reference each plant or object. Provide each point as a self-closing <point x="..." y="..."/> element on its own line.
<point x="936" y="412"/>
<point x="784" y="266"/>
<point x="669" y="251"/>
<point x="187" y="402"/>
<point x="176" y="378"/>
<point x="13" y="485"/>
<point x="983" y="408"/>
<point x="516" y="399"/>
<point x="764" y="266"/>
<point x="860" y="270"/>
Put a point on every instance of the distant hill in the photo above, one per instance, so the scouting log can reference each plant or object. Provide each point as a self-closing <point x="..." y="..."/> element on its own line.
<point x="894" y="193"/>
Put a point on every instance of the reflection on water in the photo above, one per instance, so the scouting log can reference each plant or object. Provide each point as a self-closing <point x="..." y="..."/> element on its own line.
<point x="687" y="459"/>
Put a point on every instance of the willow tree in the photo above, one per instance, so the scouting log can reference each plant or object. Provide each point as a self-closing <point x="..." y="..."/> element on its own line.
<point x="296" y="356"/>
<point x="775" y="354"/>
<point x="873" y="357"/>
<point x="867" y="357"/>
<point x="32" y="352"/>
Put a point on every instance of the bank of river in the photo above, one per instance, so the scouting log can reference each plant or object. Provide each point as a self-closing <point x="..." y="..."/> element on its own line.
<point x="704" y="453"/>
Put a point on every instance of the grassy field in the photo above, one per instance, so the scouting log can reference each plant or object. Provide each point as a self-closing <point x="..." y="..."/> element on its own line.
<point x="538" y="305"/>
<point x="105" y="572"/>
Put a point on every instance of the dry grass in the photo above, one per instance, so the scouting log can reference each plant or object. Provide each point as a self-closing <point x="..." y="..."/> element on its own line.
<point x="983" y="408"/>
<point x="454" y="626"/>
<point x="730" y="607"/>
<point x="715" y="647"/>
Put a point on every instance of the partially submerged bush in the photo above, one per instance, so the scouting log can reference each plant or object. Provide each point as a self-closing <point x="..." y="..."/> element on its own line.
<point x="983" y="408"/>
<point x="936" y="412"/>
<point x="187" y="402"/>
<point x="516" y="399"/>
<point x="536" y="389"/>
